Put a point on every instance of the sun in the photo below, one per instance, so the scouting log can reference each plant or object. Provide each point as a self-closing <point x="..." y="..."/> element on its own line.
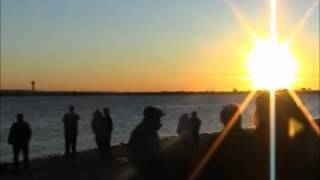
<point x="271" y="65"/>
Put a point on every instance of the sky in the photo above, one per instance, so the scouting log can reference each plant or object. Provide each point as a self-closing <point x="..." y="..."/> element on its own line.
<point x="145" y="45"/>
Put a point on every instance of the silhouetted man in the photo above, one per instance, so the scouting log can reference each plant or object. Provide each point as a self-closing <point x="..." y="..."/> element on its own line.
<point x="70" y="121"/>
<point x="196" y="122"/>
<point x="296" y="143"/>
<point x="19" y="138"/>
<point x="109" y="128"/>
<point x="227" y="113"/>
<point x="231" y="161"/>
<point x="98" y="126"/>
<point x="144" y="145"/>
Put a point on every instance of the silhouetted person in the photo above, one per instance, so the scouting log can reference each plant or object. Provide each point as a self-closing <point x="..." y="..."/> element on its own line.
<point x="230" y="161"/>
<point x="226" y="115"/>
<point x="186" y="148"/>
<point x="187" y="138"/>
<point x="19" y="138"/>
<point x="196" y="123"/>
<point x="99" y="127"/>
<point x="293" y="137"/>
<point x="185" y="128"/>
<point x="70" y="121"/>
<point x="109" y="128"/>
<point x="144" y="145"/>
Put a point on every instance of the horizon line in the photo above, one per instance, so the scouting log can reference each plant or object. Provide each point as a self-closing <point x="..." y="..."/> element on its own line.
<point x="27" y="91"/>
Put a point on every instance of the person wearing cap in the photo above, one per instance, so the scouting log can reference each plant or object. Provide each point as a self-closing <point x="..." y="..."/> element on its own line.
<point x="144" y="144"/>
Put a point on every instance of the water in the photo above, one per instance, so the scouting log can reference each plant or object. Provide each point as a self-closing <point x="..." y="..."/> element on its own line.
<point x="44" y="114"/>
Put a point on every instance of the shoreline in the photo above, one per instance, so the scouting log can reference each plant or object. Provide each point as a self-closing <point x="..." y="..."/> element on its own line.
<point x="101" y="93"/>
<point x="89" y="164"/>
<point x="86" y="163"/>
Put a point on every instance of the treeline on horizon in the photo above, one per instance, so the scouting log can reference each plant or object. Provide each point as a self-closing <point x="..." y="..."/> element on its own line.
<point x="98" y="93"/>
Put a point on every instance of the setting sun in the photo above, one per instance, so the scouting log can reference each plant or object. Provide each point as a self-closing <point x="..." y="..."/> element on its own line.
<point x="271" y="65"/>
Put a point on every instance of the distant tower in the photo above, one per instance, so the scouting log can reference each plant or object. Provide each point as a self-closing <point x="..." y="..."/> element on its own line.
<point x="33" y="85"/>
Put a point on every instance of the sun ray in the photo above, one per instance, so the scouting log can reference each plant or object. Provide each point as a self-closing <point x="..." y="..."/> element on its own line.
<point x="305" y="111"/>
<point x="272" y="136"/>
<point x="273" y="37"/>
<point x="240" y="17"/>
<point x="273" y="20"/>
<point x="215" y="145"/>
<point x="304" y="20"/>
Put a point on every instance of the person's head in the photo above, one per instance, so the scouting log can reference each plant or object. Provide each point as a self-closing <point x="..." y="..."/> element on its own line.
<point x="97" y="114"/>
<point x="19" y="117"/>
<point x="194" y="114"/>
<point x="184" y="116"/>
<point x="71" y="109"/>
<point x="286" y="109"/>
<point x="152" y="116"/>
<point x="106" y="111"/>
<point x="228" y="112"/>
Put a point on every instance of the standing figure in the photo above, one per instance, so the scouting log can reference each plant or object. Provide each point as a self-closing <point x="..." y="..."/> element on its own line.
<point x="185" y="151"/>
<point x="227" y="113"/>
<point x="19" y="138"/>
<point x="109" y="129"/>
<point x="196" y="122"/>
<point x="99" y="127"/>
<point x="296" y="144"/>
<point x="70" y="121"/>
<point x="185" y="129"/>
<point x="144" y="145"/>
<point x="226" y="159"/>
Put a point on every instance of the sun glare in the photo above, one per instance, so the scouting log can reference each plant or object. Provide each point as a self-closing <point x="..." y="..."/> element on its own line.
<point x="271" y="65"/>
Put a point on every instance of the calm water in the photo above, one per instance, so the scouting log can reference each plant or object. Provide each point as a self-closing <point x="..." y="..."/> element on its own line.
<point x="44" y="113"/>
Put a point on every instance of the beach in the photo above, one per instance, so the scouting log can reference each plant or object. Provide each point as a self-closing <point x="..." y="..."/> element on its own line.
<point x="88" y="164"/>
<point x="44" y="114"/>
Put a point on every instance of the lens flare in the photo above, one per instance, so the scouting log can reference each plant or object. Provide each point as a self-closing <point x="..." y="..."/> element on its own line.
<point x="271" y="65"/>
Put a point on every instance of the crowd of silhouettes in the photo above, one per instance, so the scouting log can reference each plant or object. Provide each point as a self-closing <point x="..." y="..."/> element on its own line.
<point x="244" y="153"/>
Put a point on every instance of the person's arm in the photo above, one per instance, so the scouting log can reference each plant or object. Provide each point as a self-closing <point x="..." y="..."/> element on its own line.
<point x="29" y="132"/>
<point x="179" y="127"/>
<point x="93" y="126"/>
<point x="111" y="123"/>
<point x="10" y="137"/>
<point x="64" y="118"/>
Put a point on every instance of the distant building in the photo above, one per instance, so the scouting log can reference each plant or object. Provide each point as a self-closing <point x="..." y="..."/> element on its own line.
<point x="33" y="85"/>
<point x="235" y="90"/>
